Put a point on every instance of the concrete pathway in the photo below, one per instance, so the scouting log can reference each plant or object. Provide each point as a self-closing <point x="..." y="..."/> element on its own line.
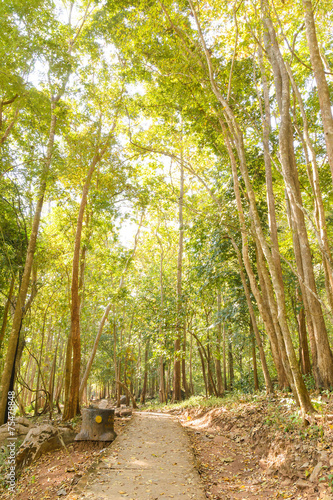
<point x="150" y="460"/>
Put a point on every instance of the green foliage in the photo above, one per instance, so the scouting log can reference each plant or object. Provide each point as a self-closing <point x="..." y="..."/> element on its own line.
<point x="140" y="71"/>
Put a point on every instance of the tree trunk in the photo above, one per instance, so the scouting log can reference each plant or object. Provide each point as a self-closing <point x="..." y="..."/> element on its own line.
<point x="26" y="379"/>
<point x="37" y="405"/>
<point x="6" y="311"/>
<point x="191" y="374"/>
<point x="298" y="386"/>
<point x="203" y="369"/>
<point x="254" y="359"/>
<point x="132" y="398"/>
<point x="219" y="378"/>
<point x="225" y="359"/>
<point x="145" y="377"/>
<point x="303" y="344"/>
<point x="162" y="394"/>
<point x="290" y="174"/>
<point x="67" y="374"/>
<point x="268" y="381"/>
<point x="19" y="309"/>
<point x="185" y="385"/>
<point x="211" y="387"/>
<point x="231" y="366"/>
<point x="74" y="399"/>
<point x="115" y="361"/>
<point x="304" y="295"/>
<point x="177" y="363"/>
<point x="94" y="350"/>
<point x="322" y="86"/>
<point x="313" y="175"/>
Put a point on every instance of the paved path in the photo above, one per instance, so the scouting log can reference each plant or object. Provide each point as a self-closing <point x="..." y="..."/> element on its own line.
<point x="150" y="460"/>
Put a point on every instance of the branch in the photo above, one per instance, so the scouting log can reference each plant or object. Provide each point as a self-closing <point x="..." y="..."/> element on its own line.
<point x="10" y="126"/>
<point x="129" y="393"/>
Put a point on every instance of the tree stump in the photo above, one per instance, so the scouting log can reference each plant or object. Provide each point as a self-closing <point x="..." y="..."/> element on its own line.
<point x="97" y="425"/>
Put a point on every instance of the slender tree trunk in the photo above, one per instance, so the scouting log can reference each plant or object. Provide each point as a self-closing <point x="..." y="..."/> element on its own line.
<point x="322" y="86"/>
<point x="209" y="369"/>
<point x="19" y="309"/>
<point x="298" y="385"/>
<point x="52" y="378"/>
<point x="129" y="393"/>
<point x="290" y="174"/>
<point x="31" y="384"/>
<point x="272" y="325"/>
<point x="145" y="377"/>
<point x="6" y="311"/>
<point x="115" y="360"/>
<point x="268" y="381"/>
<point x="225" y="358"/>
<point x="206" y="353"/>
<point x="203" y="369"/>
<point x="303" y="343"/>
<point x="26" y="379"/>
<point x="94" y="350"/>
<point x="254" y="358"/>
<point x="219" y="378"/>
<point x="162" y="394"/>
<point x="37" y="405"/>
<point x="74" y="399"/>
<point x="177" y="363"/>
<point x="68" y="371"/>
<point x="304" y="295"/>
<point x="313" y="175"/>
<point x="231" y="366"/>
<point x="191" y="374"/>
<point x="60" y="382"/>
<point x="167" y="382"/>
<point x="185" y="385"/>
<point x="266" y="121"/>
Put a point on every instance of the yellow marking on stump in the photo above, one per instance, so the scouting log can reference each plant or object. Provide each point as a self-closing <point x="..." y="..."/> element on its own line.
<point x="98" y="419"/>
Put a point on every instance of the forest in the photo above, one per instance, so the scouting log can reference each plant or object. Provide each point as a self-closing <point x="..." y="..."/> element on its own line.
<point x="165" y="201"/>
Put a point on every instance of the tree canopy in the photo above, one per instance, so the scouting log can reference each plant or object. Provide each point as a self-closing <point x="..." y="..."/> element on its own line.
<point x="165" y="200"/>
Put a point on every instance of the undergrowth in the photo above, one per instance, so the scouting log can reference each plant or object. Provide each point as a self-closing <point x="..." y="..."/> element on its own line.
<point x="279" y="410"/>
<point x="229" y="400"/>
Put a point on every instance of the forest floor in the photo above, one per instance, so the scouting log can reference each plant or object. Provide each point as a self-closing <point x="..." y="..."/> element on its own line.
<point x="55" y="473"/>
<point x="258" y="448"/>
<point x="244" y="447"/>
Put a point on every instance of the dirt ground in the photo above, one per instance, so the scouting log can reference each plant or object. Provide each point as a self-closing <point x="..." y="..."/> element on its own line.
<point x="243" y="453"/>
<point x="54" y="474"/>
<point x="256" y="448"/>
